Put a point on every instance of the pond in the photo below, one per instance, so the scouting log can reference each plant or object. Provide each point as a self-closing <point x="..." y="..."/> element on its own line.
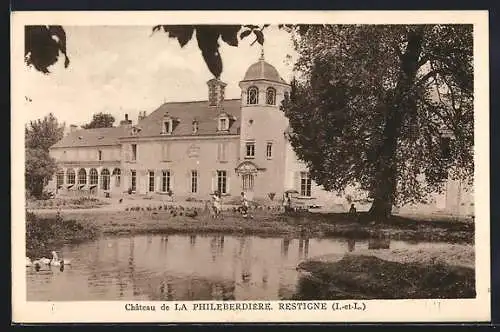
<point x="185" y="267"/>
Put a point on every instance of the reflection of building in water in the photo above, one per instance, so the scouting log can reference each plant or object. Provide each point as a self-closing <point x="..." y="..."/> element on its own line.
<point x="301" y="248"/>
<point x="306" y="247"/>
<point x="131" y="266"/>
<point x="284" y="247"/>
<point x="351" y="245"/>
<point x="192" y="240"/>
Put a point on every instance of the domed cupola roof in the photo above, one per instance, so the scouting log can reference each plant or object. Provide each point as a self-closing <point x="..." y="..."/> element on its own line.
<point x="262" y="70"/>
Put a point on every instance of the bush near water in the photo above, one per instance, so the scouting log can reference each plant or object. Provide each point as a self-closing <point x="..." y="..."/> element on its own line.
<point x="44" y="234"/>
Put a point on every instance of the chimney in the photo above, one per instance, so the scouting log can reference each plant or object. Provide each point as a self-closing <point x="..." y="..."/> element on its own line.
<point x="216" y="92"/>
<point x="142" y="115"/>
<point x="126" y="122"/>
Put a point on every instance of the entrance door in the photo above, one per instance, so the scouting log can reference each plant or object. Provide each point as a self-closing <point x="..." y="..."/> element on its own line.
<point x="248" y="180"/>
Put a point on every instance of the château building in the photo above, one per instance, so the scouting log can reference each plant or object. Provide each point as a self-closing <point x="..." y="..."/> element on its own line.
<point x="195" y="148"/>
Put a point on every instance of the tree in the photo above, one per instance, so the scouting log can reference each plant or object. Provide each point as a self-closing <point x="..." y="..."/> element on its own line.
<point x="43" y="133"/>
<point x="40" y="135"/>
<point x="40" y="168"/>
<point x="100" y="120"/>
<point x="44" y="44"/>
<point x="386" y="108"/>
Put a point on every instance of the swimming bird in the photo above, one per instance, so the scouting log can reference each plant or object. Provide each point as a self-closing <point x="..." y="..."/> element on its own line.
<point x="42" y="261"/>
<point x="56" y="261"/>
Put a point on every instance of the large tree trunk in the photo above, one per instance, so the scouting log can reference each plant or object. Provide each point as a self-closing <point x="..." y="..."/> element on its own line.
<point x="399" y="104"/>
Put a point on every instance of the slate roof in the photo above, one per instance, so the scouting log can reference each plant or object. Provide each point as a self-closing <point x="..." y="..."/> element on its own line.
<point x="92" y="137"/>
<point x="263" y="70"/>
<point x="184" y="112"/>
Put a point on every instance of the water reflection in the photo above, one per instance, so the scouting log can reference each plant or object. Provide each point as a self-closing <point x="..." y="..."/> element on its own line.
<point x="179" y="267"/>
<point x="351" y="245"/>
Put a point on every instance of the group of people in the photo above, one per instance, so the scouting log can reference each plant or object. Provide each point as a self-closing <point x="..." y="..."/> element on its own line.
<point x="216" y="207"/>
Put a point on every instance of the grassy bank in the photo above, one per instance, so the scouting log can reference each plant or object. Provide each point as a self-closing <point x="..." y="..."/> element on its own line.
<point x="370" y="277"/>
<point x="66" y="203"/>
<point x="174" y="220"/>
<point x="45" y="234"/>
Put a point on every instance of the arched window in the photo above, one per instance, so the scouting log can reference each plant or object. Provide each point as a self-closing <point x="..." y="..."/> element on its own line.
<point x="70" y="176"/>
<point x="105" y="179"/>
<point x="94" y="176"/>
<point x="271" y="96"/>
<point x="252" y="96"/>
<point x="82" y="176"/>
<point x="117" y="173"/>
<point x="60" y="178"/>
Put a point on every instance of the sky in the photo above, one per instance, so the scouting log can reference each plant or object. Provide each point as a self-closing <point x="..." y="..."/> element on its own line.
<point x="127" y="69"/>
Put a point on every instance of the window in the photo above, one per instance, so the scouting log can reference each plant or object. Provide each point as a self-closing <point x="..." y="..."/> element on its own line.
<point x="247" y="182"/>
<point x="269" y="150"/>
<point x="195" y="127"/>
<point x="250" y="149"/>
<point x="252" y="96"/>
<point x="222" y="182"/>
<point x="105" y="179"/>
<point x="223" y="124"/>
<point x="117" y="174"/>
<point x="134" y="152"/>
<point x="165" y="181"/>
<point x="82" y="176"/>
<point x="70" y="176"/>
<point x="151" y="181"/>
<point x="165" y="151"/>
<point x="60" y="178"/>
<point x="133" y="180"/>
<point x="94" y="176"/>
<point x="194" y="182"/>
<point x="271" y="96"/>
<point x="167" y="128"/>
<point x="305" y="184"/>
<point x="221" y="152"/>
<point x="100" y="155"/>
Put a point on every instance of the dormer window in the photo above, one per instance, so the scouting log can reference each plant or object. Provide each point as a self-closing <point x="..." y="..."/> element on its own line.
<point x="223" y="124"/>
<point x="167" y="125"/>
<point x="135" y="130"/>
<point x="271" y="96"/>
<point x="252" y="96"/>
<point x="195" y="127"/>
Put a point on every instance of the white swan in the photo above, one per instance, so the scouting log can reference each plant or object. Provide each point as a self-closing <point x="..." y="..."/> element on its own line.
<point x="41" y="261"/>
<point x="56" y="261"/>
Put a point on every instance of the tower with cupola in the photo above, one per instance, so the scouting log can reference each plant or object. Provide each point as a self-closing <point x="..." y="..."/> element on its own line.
<point x="262" y="142"/>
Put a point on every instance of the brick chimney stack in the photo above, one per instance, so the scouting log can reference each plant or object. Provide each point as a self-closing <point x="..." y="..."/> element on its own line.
<point x="216" y="89"/>
<point x="126" y="122"/>
<point x="142" y="115"/>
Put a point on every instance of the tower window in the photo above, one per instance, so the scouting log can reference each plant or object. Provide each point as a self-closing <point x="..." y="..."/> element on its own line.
<point x="100" y="155"/>
<point x="253" y="96"/>
<point x="271" y="96"/>
<point x="269" y="150"/>
<point x="195" y="127"/>
<point x="250" y="149"/>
